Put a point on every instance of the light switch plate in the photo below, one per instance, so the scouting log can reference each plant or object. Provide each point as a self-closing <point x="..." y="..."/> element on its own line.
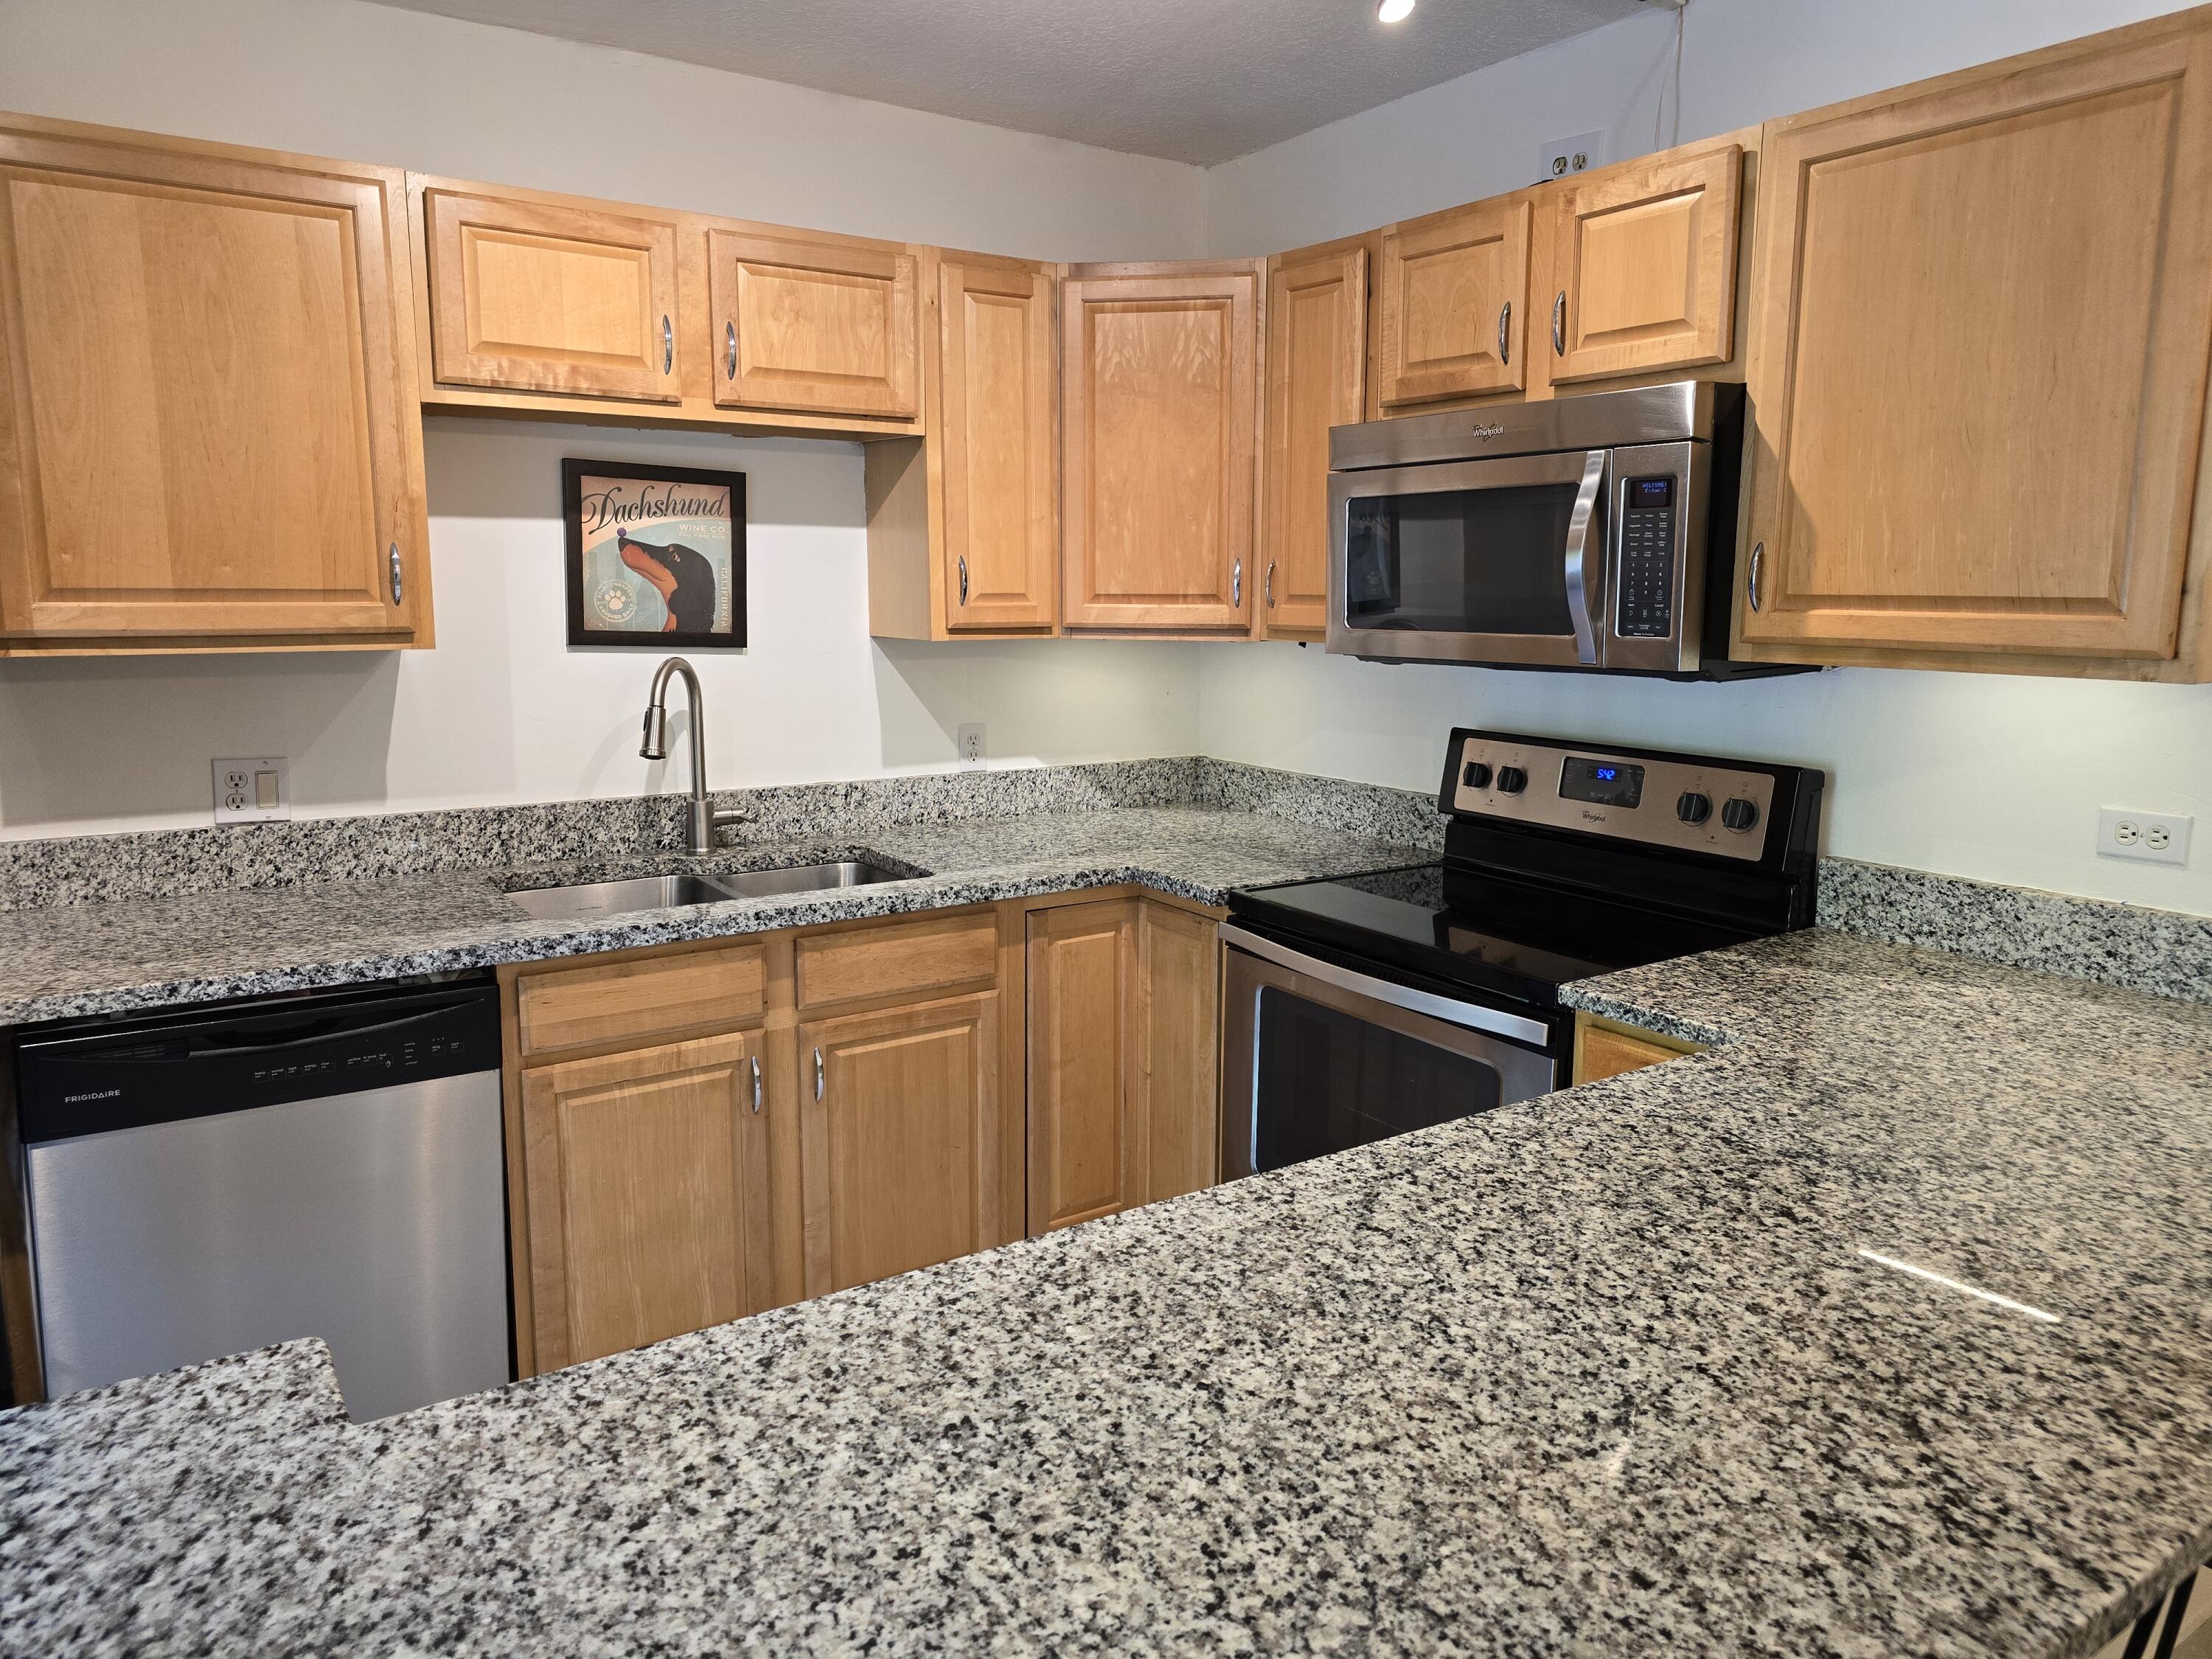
<point x="2153" y="837"/>
<point x="252" y="788"/>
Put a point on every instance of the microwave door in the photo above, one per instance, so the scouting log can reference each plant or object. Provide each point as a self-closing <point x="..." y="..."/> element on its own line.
<point x="1486" y="562"/>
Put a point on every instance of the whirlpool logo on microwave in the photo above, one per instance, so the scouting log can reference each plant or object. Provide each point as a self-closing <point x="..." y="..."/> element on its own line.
<point x="1487" y="430"/>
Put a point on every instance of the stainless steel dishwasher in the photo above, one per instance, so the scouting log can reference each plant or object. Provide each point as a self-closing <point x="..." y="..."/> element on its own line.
<point x="202" y="1183"/>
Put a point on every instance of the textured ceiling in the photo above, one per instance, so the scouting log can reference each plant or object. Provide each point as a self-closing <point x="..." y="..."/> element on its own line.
<point x="1191" y="80"/>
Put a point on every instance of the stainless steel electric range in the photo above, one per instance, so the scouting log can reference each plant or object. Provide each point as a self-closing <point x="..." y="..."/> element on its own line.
<point x="1370" y="1006"/>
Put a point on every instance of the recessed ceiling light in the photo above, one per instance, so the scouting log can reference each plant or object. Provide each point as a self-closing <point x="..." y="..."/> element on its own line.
<point x="1394" y="11"/>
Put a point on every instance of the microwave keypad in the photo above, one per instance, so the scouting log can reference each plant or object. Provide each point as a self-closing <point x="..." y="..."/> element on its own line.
<point x="1646" y="608"/>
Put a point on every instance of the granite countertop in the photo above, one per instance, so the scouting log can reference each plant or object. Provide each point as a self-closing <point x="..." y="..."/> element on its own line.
<point x="1609" y="1373"/>
<point x="62" y="961"/>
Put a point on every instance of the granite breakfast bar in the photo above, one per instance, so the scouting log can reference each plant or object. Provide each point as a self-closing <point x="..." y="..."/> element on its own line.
<point x="1611" y="1372"/>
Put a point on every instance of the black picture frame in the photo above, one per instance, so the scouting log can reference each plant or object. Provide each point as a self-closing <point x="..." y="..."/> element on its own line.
<point x="575" y="510"/>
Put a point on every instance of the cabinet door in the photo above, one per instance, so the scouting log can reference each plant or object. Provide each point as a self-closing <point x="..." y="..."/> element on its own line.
<point x="648" y="1198"/>
<point x="1000" y="445"/>
<point x="531" y="297"/>
<point x="1160" y="396"/>
<point x="206" y="430"/>
<point x="1317" y="379"/>
<point x="1645" y="258"/>
<point x="822" y="326"/>
<point x="1454" y="299"/>
<point x="1980" y="325"/>
<point x="1089" y="1145"/>
<point x="899" y="1138"/>
<point x="1179" y="1047"/>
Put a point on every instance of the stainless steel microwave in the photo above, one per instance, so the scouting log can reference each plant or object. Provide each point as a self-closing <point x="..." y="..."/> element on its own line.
<point x="1594" y="532"/>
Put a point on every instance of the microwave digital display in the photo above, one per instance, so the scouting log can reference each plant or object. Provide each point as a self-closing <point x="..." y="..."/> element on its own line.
<point x="1651" y="492"/>
<point x="1601" y="782"/>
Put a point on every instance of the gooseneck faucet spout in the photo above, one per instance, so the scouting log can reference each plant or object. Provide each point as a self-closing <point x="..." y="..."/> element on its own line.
<point x="705" y="820"/>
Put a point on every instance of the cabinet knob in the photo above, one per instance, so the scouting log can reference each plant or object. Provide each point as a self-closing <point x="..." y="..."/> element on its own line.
<point x="1751" y="576"/>
<point x="1505" y="332"/>
<point x="398" y="584"/>
<point x="1559" y="324"/>
<point x="730" y="348"/>
<point x="667" y="345"/>
<point x="817" y="1074"/>
<point x="963" y="578"/>
<point x="756" y="1088"/>
<point x="1236" y="586"/>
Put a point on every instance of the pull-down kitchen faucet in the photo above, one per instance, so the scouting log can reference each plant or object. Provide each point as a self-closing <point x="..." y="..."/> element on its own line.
<point x="705" y="820"/>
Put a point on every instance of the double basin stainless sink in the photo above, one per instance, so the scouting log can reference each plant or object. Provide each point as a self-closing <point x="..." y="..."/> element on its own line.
<point x="610" y="898"/>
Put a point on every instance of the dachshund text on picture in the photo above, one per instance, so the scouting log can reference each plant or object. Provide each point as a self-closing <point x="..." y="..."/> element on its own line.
<point x="682" y="576"/>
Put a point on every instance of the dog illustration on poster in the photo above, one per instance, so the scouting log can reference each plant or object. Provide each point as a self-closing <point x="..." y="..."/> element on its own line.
<point x="656" y="555"/>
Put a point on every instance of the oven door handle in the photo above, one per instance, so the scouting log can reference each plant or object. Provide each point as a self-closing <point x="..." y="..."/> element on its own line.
<point x="1474" y="1015"/>
<point x="1579" y="572"/>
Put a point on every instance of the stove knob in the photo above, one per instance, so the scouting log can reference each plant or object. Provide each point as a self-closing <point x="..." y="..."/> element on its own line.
<point x="1511" y="780"/>
<point x="1477" y="775"/>
<point x="1693" y="808"/>
<point x="1739" y="814"/>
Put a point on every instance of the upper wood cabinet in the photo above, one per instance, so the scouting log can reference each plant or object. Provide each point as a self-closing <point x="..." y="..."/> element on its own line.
<point x="1124" y="1000"/>
<point x="1317" y="379"/>
<point x="900" y="1112"/>
<point x="1452" y="302"/>
<point x="533" y="297"/>
<point x="647" y="1195"/>
<point x="1160" y="394"/>
<point x="819" y="324"/>
<point x="1978" y="361"/>
<point x="1642" y="265"/>
<point x="999" y="429"/>
<point x="208" y="432"/>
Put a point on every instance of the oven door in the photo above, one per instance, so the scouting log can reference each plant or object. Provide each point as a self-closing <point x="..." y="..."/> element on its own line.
<point x="1318" y="1058"/>
<point x="1490" y="562"/>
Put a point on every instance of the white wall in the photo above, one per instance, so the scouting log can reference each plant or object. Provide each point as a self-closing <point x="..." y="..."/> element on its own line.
<point x="1992" y="776"/>
<point x="503" y="711"/>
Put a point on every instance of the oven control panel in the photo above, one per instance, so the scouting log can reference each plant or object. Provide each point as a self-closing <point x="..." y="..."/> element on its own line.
<point x="1693" y="807"/>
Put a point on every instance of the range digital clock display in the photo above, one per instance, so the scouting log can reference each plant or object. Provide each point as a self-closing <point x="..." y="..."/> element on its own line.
<point x="1601" y="782"/>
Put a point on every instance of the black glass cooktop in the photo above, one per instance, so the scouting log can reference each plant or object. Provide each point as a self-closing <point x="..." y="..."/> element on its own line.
<point x="1482" y="930"/>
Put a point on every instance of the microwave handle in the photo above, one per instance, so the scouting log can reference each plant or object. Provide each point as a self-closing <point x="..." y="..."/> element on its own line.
<point x="1580" y="572"/>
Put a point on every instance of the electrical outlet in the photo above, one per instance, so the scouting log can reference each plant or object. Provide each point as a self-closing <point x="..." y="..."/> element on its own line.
<point x="253" y="789"/>
<point x="1564" y="157"/>
<point x="970" y="740"/>
<point x="2155" y="837"/>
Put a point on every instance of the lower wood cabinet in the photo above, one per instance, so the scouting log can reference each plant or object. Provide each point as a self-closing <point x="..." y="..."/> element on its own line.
<point x="647" y="1176"/>
<point x="900" y="1134"/>
<point x="1123" y="1033"/>
<point x="1604" y="1049"/>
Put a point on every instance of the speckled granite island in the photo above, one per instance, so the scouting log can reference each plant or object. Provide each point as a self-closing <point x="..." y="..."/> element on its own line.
<point x="1610" y="1373"/>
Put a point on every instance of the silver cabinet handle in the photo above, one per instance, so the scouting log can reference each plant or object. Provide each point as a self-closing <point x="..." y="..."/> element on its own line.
<point x="1236" y="586"/>
<point x="1505" y="333"/>
<point x="398" y="585"/>
<point x="756" y="1092"/>
<point x="817" y="1074"/>
<point x="963" y="578"/>
<point x="1559" y="324"/>
<point x="1579" y="570"/>
<point x="667" y="345"/>
<point x="730" y="348"/>
<point x="1271" y="584"/>
<point x="1751" y="578"/>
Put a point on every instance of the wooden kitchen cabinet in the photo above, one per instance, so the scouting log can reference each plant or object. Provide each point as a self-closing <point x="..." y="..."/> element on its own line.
<point x="532" y="296"/>
<point x="208" y="433"/>
<point x="963" y="527"/>
<point x="827" y="325"/>
<point x="901" y="1135"/>
<point x="648" y="1205"/>
<point x="1979" y="332"/>
<point x="1452" y="305"/>
<point x="1123" y="1030"/>
<point x="1642" y="265"/>
<point x="1317" y="379"/>
<point x="1604" y="1048"/>
<point x="1160" y="396"/>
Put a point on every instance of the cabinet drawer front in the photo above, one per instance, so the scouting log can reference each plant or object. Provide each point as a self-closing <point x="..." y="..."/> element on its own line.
<point x="814" y="325"/>
<point x="626" y="1001"/>
<point x="530" y="297"/>
<point x="924" y="957"/>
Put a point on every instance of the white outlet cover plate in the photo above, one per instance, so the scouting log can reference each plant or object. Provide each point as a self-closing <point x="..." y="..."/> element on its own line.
<point x="2153" y="837"/>
<point x="1556" y="159"/>
<point x="969" y="740"/>
<point x="237" y="780"/>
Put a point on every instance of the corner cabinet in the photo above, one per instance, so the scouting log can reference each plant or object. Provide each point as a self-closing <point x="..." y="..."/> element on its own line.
<point x="208" y="429"/>
<point x="1978" y="363"/>
<point x="1159" y="371"/>
<point x="1317" y="379"/>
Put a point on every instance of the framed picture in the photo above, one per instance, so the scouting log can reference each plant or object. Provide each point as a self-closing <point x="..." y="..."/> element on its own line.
<point x="656" y="555"/>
